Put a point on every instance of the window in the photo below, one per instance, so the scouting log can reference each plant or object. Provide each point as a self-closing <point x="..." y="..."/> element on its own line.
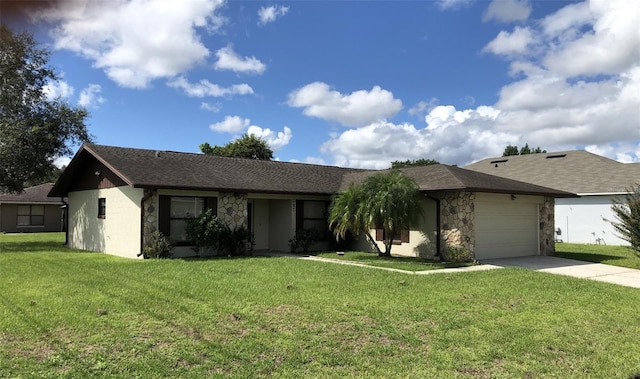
<point x="174" y="211"/>
<point x="398" y="238"/>
<point x="312" y="215"/>
<point x="30" y="215"/>
<point x="102" y="207"/>
<point x="181" y="209"/>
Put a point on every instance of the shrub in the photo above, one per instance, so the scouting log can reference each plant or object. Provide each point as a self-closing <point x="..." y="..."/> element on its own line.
<point x="204" y="231"/>
<point x="342" y="243"/>
<point x="457" y="254"/>
<point x="158" y="246"/>
<point x="303" y="238"/>
<point x="235" y="241"/>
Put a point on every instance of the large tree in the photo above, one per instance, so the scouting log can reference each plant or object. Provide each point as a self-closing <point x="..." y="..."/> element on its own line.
<point x="34" y="130"/>
<point x="388" y="201"/>
<point x="247" y="146"/>
<point x="627" y="212"/>
<point x="413" y="163"/>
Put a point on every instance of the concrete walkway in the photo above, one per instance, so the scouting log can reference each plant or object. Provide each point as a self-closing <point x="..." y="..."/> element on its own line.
<point x="579" y="269"/>
<point x="554" y="265"/>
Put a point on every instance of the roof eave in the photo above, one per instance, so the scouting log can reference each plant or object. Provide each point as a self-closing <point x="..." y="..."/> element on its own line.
<point x="555" y="194"/>
<point x="233" y="190"/>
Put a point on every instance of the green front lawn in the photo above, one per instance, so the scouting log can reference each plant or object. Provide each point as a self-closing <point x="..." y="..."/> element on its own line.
<point x="75" y="315"/>
<point x="612" y="255"/>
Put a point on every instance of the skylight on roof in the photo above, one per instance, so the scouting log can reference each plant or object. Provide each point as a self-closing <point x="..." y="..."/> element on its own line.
<point x="550" y="156"/>
<point x="499" y="161"/>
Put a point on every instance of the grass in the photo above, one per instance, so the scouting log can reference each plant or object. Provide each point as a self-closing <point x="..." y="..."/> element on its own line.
<point x="612" y="255"/>
<point x="400" y="263"/>
<point x="65" y="314"/>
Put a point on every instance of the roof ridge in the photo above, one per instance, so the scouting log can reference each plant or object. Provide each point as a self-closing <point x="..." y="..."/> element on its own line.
<point x="222" y="157"/>
<point x="455" y="171"/>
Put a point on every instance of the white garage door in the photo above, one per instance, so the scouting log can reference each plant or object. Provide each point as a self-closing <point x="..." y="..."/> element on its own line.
<point x="506" y="229"/>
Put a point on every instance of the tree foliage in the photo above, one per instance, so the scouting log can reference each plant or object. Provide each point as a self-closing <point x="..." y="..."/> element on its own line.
<point x="627" y="213"/>
<point x="208" y="232"/>
<point x="524" y="150"/>
<point x="34" y="130"/>
<point x="413" y="163"/>
<point x="389" y="201"/>
<point x="247" y="146"/>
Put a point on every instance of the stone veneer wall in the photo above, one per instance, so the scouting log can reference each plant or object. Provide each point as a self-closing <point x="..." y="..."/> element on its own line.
<point x="232" y="209"/>
<point x="547" y="227"/>
<point x="150" y="212"/>
<point x="457" y="216"/>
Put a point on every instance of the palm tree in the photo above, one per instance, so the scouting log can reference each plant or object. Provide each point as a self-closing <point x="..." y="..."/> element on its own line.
<point x="345" y="214"/>
<point x="627" y="212"/>
<point x="389" y="201"/>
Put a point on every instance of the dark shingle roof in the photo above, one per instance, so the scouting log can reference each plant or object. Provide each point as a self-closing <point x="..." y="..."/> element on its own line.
<point x="575" y="171"/>
<point x="447" y="178"/>
<point x="166" y="169"/>
<point x="30" y="195"/>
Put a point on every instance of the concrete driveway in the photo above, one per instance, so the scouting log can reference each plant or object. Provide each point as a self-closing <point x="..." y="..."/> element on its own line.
<point x="595" y="271"/>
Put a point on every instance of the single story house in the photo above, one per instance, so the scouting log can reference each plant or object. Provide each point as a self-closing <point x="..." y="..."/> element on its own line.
<point x="118" y="196"/>
<point x="596" y="179"/>
<point x="31" y="211"/>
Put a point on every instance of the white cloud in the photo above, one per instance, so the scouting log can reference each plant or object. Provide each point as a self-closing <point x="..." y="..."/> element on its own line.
<point x="611" y="47"/>
<point x="568" y="19"/>
<point x="508" y="10"/>
<point x="269" y="14"/>
<point x="453" y="4"/>
<point x="210" y="107"/>
<point x="90" y="96"/>
<point x="205" y="88"/>
<point x="546" y="111"/>
<point x="423" y="107"/>
<point x="231" y="124"/>
<point x="355" y="109"/>
<point x="61" y="162"/>
<point x="452" y="137"/>
<point x="57" y="89"/>
<point x="275" y="140"/>
<point x="509" y="44"/>
<point x="135" y="41"/>
<point x="626" y="152"/>
<point x="229" y="60"/>
<point x="236" y="124"/>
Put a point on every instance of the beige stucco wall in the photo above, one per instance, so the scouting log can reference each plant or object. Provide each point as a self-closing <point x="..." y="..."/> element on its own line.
<point x="422" y="238"/>
<point x="118" y="233"/>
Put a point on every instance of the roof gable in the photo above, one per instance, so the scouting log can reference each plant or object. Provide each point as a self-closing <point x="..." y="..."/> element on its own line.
<point x="576" y="171"/>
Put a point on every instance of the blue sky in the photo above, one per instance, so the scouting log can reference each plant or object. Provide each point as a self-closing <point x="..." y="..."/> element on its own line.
<point x="351" y="83"/>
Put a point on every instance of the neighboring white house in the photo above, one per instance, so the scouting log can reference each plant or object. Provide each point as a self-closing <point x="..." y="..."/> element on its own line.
<point x="118" y="196"/>
<point x="596" y="179"/>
